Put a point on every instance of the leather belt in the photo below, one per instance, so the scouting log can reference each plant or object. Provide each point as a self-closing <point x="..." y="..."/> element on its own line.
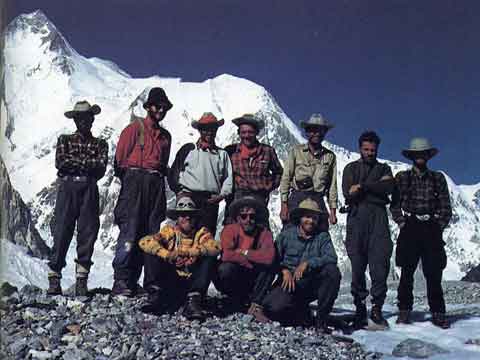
<point x="148" y="171"/>
<point x="77" y="178"/>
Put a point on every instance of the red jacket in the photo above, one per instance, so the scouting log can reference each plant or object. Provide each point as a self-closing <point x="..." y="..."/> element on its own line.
<point x="260" y="247"/>
<point x="156" y="150"/>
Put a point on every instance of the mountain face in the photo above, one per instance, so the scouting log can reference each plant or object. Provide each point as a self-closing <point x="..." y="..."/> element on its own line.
<point x="44" y="76"/>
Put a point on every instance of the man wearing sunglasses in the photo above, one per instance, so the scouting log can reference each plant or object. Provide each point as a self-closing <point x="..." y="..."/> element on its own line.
<point x="310" y="171"/>
<point x="203" y="171"/>
<point x="245" y="271"/>
<point x="141" y="161"/>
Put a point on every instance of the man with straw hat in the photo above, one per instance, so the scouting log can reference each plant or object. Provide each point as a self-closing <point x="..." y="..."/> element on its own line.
<point x="81" y="160"/>
<point x="310" y="171"/>
<point x="246" y="272"/>
<point x="366" y="185"/>
<point x="203" y="171"/>
<point x="180" y="261"/>
<point x="141" y="161"/>
<point x="256" y="168"/>
<point x="421" y="207"/>
<point x="308" y="264"/>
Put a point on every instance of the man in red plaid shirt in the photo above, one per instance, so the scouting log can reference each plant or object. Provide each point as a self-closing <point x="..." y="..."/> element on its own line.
<point x="256" y="168"/>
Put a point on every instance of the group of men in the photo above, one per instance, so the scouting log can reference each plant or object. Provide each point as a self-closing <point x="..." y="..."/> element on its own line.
<point x="275" y="280"/>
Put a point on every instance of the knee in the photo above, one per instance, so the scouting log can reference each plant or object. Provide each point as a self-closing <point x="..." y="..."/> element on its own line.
<point x="225" y="270"/>
<point x="332" y="272"/>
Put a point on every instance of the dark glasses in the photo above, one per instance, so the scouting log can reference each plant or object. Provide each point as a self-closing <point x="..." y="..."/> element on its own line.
<point x="246" y="216"/>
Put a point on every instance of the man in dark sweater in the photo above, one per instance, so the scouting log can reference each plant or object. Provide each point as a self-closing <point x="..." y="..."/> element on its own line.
<point x="245" y="272"/>
<point x="421" y="208"/>
<point x="81" y="160"/>
<point x="366" y="185"/>
<point x="308" y="269"/>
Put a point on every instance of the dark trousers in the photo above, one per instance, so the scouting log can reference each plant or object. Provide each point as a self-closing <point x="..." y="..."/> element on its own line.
<point x="322" y="285"/>
<point x="368" y="242"/>
<point x="297" y="196"/>
<point x="161" y="276"/>
<point x="209" y="213"/>
<point x="139" y="211"/>
<point x="262" y="196"/>
<point x="241" y="283"/>
<point x="421" y="241"/>
<point x="77" y="202"/>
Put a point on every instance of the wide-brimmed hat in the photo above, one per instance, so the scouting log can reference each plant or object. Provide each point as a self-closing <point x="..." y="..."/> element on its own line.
<point x="249" y="201"/>
<point x="316" y="120"/>
<point x="82" y="107"/>
<point x="306" y="207"/>
<point x="249" y="119"/>
<point x="207" y="119"/>
<point x="185" y="205"/>
<point x="157" y="96"/>
<point x="419" y="145"/>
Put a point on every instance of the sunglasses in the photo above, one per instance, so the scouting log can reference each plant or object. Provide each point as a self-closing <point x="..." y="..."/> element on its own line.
<point x="246" y="216"/>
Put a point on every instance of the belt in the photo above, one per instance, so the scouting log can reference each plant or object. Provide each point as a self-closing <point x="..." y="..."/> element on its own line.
<point x="76" y="178"/>
<point x="424" y="217"/>
<point x="148" y="171"/>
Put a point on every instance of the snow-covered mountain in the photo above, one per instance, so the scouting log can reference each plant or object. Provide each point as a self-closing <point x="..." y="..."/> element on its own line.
<point x="44" y="76"/>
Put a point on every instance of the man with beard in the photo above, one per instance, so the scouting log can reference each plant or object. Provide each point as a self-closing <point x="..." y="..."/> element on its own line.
<point x="310" y="171"/>
<point x="179" y="261"/>
<point x="81" y="160"/>
<point x="141" y="161"/>
<point x="245" y="272"/>
<point x="421" y="208"/>
<point x="256" y="168"/>
<point x="308" y="269"/>
<point x="366" y="185"/>
<point x="203" y="171"/>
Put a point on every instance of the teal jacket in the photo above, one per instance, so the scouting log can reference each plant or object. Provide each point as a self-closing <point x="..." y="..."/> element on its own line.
<point x="292" y="250"/>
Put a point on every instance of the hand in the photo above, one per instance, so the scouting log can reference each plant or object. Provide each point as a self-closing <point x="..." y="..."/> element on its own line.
<point x="284" y="212"/>
<point x="215" y="199"/>
<point x="354" y="189"/>
<point x="298" y="274"/>
<point x="386" y="177"/>
<point x="332" y="218"/>
<point x="193" y="252"/>
<point x="172" y="256"/>
<point x="288" y="284"/>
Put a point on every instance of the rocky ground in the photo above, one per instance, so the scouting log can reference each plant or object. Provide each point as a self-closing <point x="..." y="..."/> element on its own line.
<point x="35" y="326"/>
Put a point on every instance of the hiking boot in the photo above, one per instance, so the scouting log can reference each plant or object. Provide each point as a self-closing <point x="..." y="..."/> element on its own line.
<point x="54" y="287"/>
<point x="193" y="309"/>
<point x="120" y="287"/>
<point x="360" y="320"/>
<point x="439" y="319"/>
<point x="81" y="286"/>
<point x="257" y="312"/>
<point x="378" y="321"/>
<point x="322" y="326"/>
<point x="404" y="317"/>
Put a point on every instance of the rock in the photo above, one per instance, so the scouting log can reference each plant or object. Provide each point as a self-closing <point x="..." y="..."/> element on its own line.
<point x="6" y="289"/>
<point x="42" y="355"/>
<point x="73" y="328"/>
<point x="473" y="342"/>
<point x="417" y="349"/>
<point x="473" y="275"/>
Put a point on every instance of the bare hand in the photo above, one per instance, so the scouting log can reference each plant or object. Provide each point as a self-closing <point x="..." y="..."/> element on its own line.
<point x="354" y="188"/>
<point x="284" y="212"/>
<point x="298" y="274"/>
<point x="215" y="199"/>
<point x="172" y="256"/>
<point x="288" y="284"/>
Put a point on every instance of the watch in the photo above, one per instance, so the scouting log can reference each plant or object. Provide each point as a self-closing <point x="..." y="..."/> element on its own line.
<point x="245" y="252"/>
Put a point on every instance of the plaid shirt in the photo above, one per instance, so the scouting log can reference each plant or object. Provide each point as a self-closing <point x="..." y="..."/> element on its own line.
<point x="81" y="156"/>
<point x="262" y="172"/>
<point x="421" y="194"/>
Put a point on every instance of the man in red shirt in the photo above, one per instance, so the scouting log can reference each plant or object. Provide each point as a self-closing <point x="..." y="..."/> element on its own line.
<point x="248" y="252"/>
<point x="141" y="161"/>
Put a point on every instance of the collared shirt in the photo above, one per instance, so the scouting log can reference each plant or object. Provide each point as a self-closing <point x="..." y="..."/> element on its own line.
<point x="260" y="172"/>
<point x="292" y="249"/>
<point x="259" y="245"/>
<point x="320" y="167"/>
<point x="81" y="156"/>
<point x="170" y="238"/>
<point x="421" y="194"/>
<point x="155" y="152"/>
<point x="207" y="170"/>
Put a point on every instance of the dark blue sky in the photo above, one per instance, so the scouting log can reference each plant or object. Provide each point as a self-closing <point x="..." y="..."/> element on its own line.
<point x="402" y="68"/>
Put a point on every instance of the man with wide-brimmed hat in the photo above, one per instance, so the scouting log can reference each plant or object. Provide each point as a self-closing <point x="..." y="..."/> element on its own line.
<point x="245" y="272"/>
<point x="366" y="185"/>
<point x="203" y="171"/>
<point x="310" y="171"/>
<point x="179" y="261"/>
<point x="256" y="168"/>
<point x="308" y="269"/>
<point x="141" y="162"/>
<point x="81" y="160"/>
<point x="421" y="207"/>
